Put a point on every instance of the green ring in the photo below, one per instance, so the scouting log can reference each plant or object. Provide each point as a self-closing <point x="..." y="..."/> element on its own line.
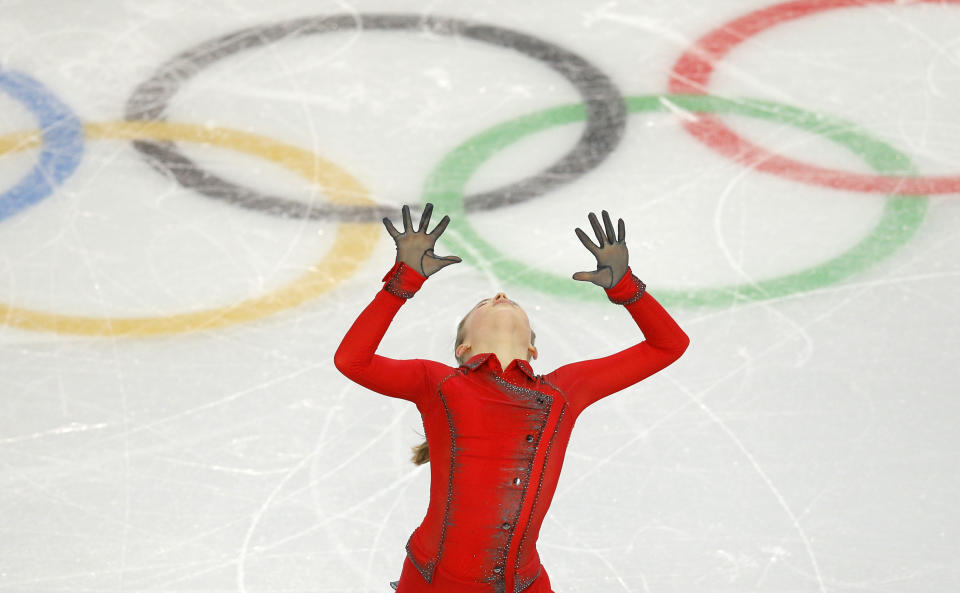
<point x="902" y="215"/>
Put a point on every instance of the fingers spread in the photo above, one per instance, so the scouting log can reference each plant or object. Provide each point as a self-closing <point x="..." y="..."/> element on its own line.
<point x="432" y="262"/>
<point x="390" y="228"/>
<point x="608" y="224"/>
<point x="586" y="276"/>
<point x="441" y="226"/>
<point x="425" y="217"/>
<point x="407" y="222"/>
<point x="596" y="227"/>
<point x="586" y="241"/>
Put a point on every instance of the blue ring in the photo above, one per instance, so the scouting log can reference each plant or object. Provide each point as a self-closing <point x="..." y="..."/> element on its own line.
<point x="62" y="142"/>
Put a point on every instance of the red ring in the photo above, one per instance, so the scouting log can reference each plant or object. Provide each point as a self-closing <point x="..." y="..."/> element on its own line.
<point x="691" y="75"/>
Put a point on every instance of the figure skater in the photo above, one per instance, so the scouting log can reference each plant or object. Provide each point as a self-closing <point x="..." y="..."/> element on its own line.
<point x="496" y="435"/>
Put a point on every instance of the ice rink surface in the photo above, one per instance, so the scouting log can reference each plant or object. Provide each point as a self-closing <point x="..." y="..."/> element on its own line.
<point x="189" y="222"/>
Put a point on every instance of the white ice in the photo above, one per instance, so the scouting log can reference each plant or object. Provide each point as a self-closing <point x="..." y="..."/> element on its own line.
<point x="805" y="443"/>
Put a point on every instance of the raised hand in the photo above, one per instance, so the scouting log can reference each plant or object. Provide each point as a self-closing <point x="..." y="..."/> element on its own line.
<point x="612" y="256"/>
<point x="415" y="248"/>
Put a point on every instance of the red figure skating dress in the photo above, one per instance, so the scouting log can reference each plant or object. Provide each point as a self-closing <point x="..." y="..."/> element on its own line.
<point x="497" y="438"/>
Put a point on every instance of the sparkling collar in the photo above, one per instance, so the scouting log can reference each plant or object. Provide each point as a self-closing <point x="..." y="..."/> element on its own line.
<point x="491" y="359"/>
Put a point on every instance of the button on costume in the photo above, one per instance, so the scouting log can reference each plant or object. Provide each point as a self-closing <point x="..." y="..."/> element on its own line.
<point x="497" y="437"/>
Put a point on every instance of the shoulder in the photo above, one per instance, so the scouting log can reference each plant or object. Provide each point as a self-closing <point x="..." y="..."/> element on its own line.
<point x="437" y="370"/>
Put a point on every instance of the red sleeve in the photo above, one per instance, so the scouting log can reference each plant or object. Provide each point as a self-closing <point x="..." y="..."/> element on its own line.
<point x="587" y="381"/>
<point x="356" y="358"/>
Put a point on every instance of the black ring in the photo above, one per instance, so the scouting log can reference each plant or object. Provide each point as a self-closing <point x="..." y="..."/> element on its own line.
<point x="605" y="122"/>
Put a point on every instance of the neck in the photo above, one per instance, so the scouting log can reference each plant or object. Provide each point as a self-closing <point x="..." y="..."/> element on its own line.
<point x="505" y="351"/>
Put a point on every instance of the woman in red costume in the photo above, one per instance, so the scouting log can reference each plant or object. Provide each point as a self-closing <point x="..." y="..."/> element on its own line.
<point x="497" y="435"/>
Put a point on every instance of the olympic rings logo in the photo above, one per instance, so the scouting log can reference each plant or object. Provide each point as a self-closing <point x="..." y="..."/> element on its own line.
<point x="691" y="74"/>
<point x="339" y="263"/>
<point x="604" y="111"/>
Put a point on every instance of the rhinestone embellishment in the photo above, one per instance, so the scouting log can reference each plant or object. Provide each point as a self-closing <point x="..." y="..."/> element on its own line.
<point x="640" y="289"/>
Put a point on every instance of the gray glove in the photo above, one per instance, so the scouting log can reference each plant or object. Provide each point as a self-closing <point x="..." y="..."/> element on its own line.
<point x="415" y="248"/>
<point x="612" y="256"/>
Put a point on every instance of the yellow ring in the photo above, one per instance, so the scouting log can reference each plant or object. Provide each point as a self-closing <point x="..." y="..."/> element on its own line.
<point x="353" y="242"/>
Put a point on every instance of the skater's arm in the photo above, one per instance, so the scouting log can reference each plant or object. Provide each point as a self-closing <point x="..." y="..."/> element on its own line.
<point x="587" y="381"/>
<point x="356" y="356"/>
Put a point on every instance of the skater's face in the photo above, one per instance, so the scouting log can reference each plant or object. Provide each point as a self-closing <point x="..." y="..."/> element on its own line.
<point x="497" y="315"/>
<point x="498" y="320"/>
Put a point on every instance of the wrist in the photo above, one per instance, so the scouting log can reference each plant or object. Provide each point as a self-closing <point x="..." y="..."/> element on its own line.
<point x="402" y="280"/>
<point x="628" y="290"/>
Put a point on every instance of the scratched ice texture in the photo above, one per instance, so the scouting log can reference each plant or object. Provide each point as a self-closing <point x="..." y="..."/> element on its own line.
<point x="805" y="442"/>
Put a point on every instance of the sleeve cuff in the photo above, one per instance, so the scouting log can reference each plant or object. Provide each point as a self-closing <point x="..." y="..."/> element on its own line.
<point x="628" y="290"/>
<point x="402" y="280"/>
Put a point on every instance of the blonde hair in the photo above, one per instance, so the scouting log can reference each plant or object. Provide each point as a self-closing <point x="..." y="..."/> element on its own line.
<point x="421" y="452"/>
